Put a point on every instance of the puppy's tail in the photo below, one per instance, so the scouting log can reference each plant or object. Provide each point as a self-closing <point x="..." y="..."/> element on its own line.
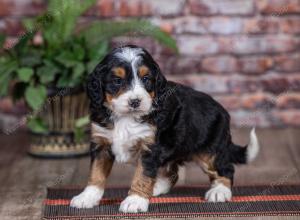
<point x="247" y="154"/>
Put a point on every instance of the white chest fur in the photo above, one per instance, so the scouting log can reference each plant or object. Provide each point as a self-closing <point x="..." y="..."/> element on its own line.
<point x="125" y="135"/>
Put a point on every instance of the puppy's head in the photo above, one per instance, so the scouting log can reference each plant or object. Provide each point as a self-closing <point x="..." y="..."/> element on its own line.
<point x="127" y="81"/>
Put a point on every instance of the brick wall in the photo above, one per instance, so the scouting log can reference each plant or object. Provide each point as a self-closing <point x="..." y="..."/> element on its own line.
<point x="246" y="53"/>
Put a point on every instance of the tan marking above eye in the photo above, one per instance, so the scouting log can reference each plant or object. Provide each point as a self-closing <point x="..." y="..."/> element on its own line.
<point x="120" y="72"/>
<point x="143" y="70"/>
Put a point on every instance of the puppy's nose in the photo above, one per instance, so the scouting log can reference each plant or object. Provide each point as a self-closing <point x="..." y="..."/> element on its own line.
<point x="134" y="103"/>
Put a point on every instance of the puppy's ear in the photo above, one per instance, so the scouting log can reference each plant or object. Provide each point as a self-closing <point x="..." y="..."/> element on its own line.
<point x="95" y="91"/>
<point x="94" y="87"/>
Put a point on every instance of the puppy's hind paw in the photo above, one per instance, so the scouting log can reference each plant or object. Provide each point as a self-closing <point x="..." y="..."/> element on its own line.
<point x="218" y="193"/>
<point x="134" y="204"/>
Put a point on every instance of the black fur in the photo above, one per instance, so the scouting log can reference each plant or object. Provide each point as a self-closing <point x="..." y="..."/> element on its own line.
<point x="188" y="122"/>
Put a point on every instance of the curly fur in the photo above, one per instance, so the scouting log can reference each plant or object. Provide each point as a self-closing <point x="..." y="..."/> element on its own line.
<point x="186" y="122"/>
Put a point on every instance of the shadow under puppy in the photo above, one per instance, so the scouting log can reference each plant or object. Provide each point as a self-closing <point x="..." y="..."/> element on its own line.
<point x="138" y="116"/>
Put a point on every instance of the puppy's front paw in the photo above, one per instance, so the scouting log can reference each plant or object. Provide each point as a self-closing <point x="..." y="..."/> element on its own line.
<point x="134" y="204"/>
<point x="89" y="198"/>
<point x="161" y="186"/>
<point x="218" y="193"/>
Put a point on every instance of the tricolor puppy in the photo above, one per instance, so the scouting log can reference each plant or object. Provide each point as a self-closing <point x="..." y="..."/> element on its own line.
<point x="138" y="116"/>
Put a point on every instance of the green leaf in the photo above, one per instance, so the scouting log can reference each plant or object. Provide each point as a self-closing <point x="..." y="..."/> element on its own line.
<point x="6" y="70"/>
<point x="32" y="58"/>
<point x="67" y="59"/>
<point x="37" y="125"/>
<point x="64" y="17"/>
<point x="25" y="74"/>
<point x="83" y="121"/>
<point x="64" y="80"/>
<point x="78" y="52"/>
<point x="47" y="73"/>
<point x="22" y="46"/>
<point x="4" y="83"/>
<point x="79" y="134"/>
<point x="2" y="40"/>
<point x="91" y="65"/>
<point x="105" y="30"/>
<point x="36" y="96"/>
<point x="78" y="71"/>
<point x="29" y="24"/>
<point x="98" y="51"/>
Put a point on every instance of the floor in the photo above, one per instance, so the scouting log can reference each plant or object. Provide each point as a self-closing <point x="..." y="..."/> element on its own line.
<point x="24" y="179"/>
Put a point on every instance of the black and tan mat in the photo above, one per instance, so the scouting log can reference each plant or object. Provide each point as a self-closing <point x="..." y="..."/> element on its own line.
<point x="181" y="202"/>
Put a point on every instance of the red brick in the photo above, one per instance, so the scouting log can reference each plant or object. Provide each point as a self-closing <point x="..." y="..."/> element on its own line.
<point x="106" y="8"/>
<point x="8" y="107"/>
<point x="2" y="26"/>
<point x="197" y="45"/>
<point x="241" y="84"/>
<point x="278" y="7"/>
<point x="227" y="25"/>
<point x="211" y="25"/>
<point x="237" y="84"/>
<point x="21" y="7"/>
<point x="6" y="6"/>
<point x="277" y="84"/>
<point x="133" y="8"/>
<point x="290" y="25"/>
<point x="167" y="7"/>
<point x="180" y="65"/>
<point x="255" y="64"/>
<point x="207" y="83"/>
<point x="189" y="25"/>
<point x="258" y="118"/>
<point x="289" y="118"/>
<point x="14" y="27"/>
<point x="220" y="64"/>
<point x="257" y="25"/>
<point x="229" y="102"/>
<point x="154" y="7"/>
<point x="288" y="100"/>
<point x="226" y="7"/>
<point x="258" y="101"/>
<point x="288" y="62"/>
<point x="224" y="25"/>
<point x="261" y="44"/>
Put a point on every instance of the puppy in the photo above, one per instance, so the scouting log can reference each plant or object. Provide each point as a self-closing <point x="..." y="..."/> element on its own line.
<point x="138" y="116"/>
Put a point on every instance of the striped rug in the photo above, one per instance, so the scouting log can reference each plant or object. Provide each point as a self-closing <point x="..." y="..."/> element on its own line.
<point x="181" y="202"/>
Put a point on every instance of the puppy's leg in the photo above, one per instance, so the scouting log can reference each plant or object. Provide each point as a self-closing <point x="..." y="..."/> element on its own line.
<point x="140" y="192"/>
<point x="220" y="177"/>
<point x="102" y="161"/>
<point x="166" y="179"/>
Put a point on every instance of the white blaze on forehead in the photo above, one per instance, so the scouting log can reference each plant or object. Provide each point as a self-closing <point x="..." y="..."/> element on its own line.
<point x="130" y="54"/>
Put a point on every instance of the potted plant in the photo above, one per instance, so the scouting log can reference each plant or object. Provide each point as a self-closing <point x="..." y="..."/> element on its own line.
<point x="48" y="66"/>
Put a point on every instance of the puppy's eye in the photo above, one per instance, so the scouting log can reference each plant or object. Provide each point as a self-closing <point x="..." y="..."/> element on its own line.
<point x="117" y="81"/>
<point x="146" y="79"/>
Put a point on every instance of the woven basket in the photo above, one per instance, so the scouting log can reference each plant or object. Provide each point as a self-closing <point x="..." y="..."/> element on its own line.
<point x="60" y="113"/>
